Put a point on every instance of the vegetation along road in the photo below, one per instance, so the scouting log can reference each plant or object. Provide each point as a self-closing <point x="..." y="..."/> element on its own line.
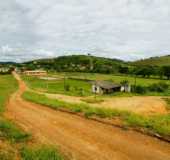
<point x="83" y="138"/>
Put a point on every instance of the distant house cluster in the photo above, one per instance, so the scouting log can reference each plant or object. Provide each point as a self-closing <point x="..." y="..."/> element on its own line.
<point x="35" y="73"/>
<point x="4" y="70"/>
<point x="106" y="87"/>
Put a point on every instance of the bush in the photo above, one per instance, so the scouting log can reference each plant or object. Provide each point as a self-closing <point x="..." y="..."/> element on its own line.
<point x="158" y="87"/>
<point x="67" y="87"/>
<point x="139" y="89"/>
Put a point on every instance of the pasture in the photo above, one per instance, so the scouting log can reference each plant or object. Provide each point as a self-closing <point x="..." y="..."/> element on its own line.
<point x="111" y="77"/>
<point x="78" y="84"/>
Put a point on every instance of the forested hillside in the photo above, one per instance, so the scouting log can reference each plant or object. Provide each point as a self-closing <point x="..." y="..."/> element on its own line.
<point x="79" y="63"/>
<point x="154" y="61"/>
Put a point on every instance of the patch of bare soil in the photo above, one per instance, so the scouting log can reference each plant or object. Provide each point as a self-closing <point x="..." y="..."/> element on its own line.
<point x="139" y="104"/>
<point x="82" y="138"/>
<point x="7" y="151"/>
<point x="144" y="105"/>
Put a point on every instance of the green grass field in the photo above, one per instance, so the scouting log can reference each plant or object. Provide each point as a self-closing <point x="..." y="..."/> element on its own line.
<point x="111" y="77"/>
<point x="76" y="87"/>
<point x="79" y="85"/>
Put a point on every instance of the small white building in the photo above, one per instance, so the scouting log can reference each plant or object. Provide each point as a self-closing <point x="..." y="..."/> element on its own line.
<point x="4" y="69"/>
<point x="106" y="87"/>
<point x="35" y="73"/>
<point x="125" y="88"/>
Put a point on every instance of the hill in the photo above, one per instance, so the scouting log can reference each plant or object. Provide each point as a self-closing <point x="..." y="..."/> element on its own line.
<point x="78" y="63"/>
<point x="154" y="61"/>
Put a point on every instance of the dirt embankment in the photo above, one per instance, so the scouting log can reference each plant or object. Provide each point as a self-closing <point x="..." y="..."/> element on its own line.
<point x="83" y="139"/>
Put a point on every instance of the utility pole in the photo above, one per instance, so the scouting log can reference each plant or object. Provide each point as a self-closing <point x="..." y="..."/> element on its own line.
<point x="135" y="81"/>
<point x="64" y="81"/>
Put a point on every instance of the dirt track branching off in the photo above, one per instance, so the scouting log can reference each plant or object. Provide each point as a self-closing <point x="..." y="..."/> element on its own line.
<point x="12" y="137"/>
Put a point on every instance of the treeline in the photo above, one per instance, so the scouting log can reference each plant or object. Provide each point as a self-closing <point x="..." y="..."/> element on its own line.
<point x="148" y="71"/>
<point x="78" y="63"/>
<point x="92" y="64"/>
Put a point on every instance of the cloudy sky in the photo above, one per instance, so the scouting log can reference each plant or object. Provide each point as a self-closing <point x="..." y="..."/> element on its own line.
<point x="126" y="29"/>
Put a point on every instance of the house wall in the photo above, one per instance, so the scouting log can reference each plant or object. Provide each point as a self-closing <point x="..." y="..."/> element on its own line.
<point x="125" y="88"/>
<point x="96" y="89"/>
<point x="29" y="73"/>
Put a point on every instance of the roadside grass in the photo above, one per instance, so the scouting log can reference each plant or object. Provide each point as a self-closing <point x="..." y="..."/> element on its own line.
<point x="6" y="156"/>
<point x="40" y="153"/>
<point x="92" y="100"/>
<point x="9" y="131"/>
<point x="7" y="153"/>
<point x="7" y="86"/>
<point x="159" y="124"/>
<point x="167" y="100"/>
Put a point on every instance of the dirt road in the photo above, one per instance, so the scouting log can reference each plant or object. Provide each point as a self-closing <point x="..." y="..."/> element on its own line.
<point x="84" y="139"/>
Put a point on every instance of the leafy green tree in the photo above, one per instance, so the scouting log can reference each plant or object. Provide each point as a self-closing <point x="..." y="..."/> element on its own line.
<point x="166" y="71"/>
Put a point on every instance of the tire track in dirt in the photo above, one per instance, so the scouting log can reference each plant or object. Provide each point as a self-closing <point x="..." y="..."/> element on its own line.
<point x="82" y="138"/>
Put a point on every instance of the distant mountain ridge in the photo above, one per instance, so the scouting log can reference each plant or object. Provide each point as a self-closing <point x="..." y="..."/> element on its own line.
<point x="153" y="61"/>
<point x="79" y="63"/>
<point x="87" y="61"/>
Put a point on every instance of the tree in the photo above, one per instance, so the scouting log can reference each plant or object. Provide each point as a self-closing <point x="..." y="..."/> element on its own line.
<point x="166" y="71"/>
<point x="146" y="71"/>
<point x="124" y="70"/>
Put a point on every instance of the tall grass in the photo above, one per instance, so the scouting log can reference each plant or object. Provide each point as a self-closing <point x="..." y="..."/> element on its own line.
<point x="40" y="153"/>
<point x="159" y="124"/>
<point x="9" y="131"/>
<point x="7" y="86"/>
<point x="168" y="103"/>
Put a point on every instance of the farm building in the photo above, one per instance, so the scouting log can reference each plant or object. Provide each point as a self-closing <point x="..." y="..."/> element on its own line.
<point x="105" y="87"/>
<point x="35" y="73"/>
<point x="3" y="69"/>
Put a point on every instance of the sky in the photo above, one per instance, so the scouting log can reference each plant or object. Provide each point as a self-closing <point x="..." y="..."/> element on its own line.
<point x="124" y="29"/>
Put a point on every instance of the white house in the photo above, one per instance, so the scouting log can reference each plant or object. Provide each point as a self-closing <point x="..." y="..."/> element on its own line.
<point x="105" y="87"/>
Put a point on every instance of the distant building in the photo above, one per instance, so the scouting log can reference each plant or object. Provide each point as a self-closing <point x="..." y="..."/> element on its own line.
<point x="4" y="69"/>
<point x="35" y="73"/>
<point x="106" y="87"/>
<point x="125" y="88"/>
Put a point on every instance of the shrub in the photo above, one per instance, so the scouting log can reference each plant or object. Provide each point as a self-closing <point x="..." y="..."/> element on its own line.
<point x="139" y="89"/>
<point x="158" y="87"/>
<point x="67" y="87"/>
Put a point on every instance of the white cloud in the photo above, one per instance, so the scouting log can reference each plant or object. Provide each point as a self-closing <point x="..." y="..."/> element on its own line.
<point x="128" y="29"/>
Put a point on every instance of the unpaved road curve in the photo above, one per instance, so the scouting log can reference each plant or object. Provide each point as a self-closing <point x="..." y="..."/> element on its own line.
<point x="84" y="139"/>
